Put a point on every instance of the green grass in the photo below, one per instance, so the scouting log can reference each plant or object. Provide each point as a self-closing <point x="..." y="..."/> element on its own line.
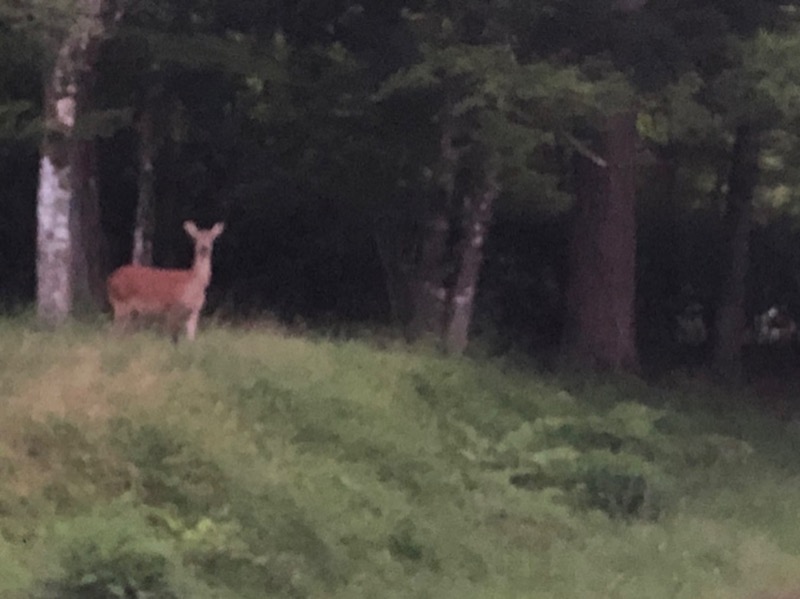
<point x="256" y="464"/>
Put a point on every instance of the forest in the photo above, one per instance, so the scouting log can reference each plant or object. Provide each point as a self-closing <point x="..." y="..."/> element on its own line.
<point x="580" y="181"/>
<point x="487" y="299"/>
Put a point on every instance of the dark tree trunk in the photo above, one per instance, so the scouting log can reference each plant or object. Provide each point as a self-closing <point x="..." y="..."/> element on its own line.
<point x="600" y="331"/>
<point x="392" y="243"/>
<point x="144" y="227"/>
<point x="660" y="280"/>
<point x="729" y="322"/>
<point x="477" y="216"/>
<point x="88" y="257"/>
<point x="429" y="292"/>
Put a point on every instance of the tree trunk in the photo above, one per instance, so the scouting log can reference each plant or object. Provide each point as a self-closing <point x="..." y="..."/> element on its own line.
<point x="88" y="257"/>
<point x="62" y="261"/>
<point x="391" y="239"/>
<point x="600" y="331"/>
<point x="729" y="322"/>
<point x="429" y="293"/>
<point x="54" y="234"/>
<point x="145" y="213"/>
<point x="475" y="225"/>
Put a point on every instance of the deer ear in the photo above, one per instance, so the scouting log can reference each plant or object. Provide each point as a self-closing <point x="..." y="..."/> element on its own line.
<point x="217" y="229"/>
<point x="190" y="228"/>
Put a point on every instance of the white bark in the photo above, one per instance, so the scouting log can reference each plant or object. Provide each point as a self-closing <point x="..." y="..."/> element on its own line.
<point x="144" y="226"/>
<point x="477" y="216"/>
<point x="58" y="208"/>
<point x="54" y="242"/>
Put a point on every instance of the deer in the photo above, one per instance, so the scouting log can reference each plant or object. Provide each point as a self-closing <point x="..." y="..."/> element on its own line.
<point x="178" y="295"/>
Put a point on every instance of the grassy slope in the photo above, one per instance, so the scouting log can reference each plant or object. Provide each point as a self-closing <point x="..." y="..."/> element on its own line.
<point x="253" y="465"/>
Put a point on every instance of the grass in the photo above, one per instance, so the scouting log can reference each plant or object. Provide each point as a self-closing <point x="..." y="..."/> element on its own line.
<point x="257" y="464"/>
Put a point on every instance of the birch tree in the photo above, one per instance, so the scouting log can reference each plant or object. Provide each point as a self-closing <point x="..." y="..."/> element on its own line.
<point x="65" y="216"/>
<point x="472" y="86"/>
<point x="144" y="226"/>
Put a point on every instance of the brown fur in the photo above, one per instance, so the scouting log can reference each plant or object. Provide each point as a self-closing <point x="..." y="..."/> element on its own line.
<point x="175" y="294"/>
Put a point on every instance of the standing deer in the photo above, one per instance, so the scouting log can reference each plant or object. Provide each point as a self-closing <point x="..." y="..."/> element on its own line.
<point x="176" y="294"/>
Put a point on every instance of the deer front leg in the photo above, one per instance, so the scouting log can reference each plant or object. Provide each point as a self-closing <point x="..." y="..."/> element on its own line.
<point x="191" y="325"/>
<point x="175" y="318"/>
<point x="122" y="319"/>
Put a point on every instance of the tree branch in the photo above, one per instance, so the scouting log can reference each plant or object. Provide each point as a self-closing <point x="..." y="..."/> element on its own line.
<point x="584" y="150"/>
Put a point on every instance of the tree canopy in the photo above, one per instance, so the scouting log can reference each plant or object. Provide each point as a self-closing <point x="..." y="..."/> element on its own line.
<point x="351" y="146"/>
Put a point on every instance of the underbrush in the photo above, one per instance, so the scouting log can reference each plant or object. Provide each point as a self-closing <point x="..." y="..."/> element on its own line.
<point x="254" y="464"/>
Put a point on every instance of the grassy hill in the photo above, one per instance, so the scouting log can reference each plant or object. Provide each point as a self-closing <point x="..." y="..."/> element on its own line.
<point x="254" y="464"/>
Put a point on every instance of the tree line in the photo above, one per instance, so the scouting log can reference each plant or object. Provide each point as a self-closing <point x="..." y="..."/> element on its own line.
<point x="566" y="170"/>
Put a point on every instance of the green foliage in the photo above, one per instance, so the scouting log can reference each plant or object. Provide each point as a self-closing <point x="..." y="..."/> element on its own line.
<point x="46" y="19"/>
<point x="251" y="464"/>
<point x="15" y="577"/>
<point x="514" y="110"/>
<point x="19" y="86"/>
<point x="16" y="122"/>
<point x="606" y="462"/>
<point x="115" y="551"/>
<point x="677" y="114"/>
<point x="233" y="53"/>
<point x="110" y="553"/>
<point x="772" y="59"/>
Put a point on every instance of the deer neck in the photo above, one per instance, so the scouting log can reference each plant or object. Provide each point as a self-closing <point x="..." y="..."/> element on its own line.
<point x="201" y="271"/>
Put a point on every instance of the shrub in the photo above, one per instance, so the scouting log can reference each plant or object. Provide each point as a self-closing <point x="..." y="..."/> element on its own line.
<point x="110" y="553"/>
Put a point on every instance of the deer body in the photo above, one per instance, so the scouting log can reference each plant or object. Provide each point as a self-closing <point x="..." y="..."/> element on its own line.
<point x="176" y="294"/>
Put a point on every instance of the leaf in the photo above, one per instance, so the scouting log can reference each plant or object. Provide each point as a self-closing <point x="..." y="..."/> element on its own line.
<point x="634" y="419"/>
<point x="563" y="454"/>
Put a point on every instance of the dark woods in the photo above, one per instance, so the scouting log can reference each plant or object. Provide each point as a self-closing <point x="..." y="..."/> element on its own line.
<point x="611" y="185"/>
